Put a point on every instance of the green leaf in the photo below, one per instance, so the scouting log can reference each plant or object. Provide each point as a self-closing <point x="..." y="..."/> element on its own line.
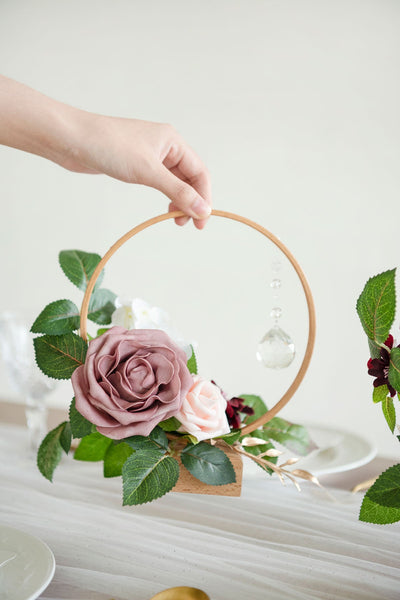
<point x="101" y="306"/>
<point x="56" y="318"/>
<point x="374" y="349"/>
<point x="66" y="438"/>
<point x="156" y="441"/>
<point x="192" y="363"/>
<point x="101" y="331"/>
<point x="294" y="437"/>
<point x="80" y="427"/>
<point x="230" y="438"/>
<point x="50" y="452"/>
<point x="115" y="458"/>
<point x="147" y="475"/>
<point x="386" y="489"/>
<point x="171" y="424"/>
<point x="208" y="463"/>
<point x="376" y="306"/>
<point x="389" y="412"/>
<point x="379" y="393"/>
<point x="59" y="355"/>
<point x="257" y="404"/>
<point x="371" y="512"/>
<point x="394" y="369"/>
<point x="79" y="266"/>
<point x="92" y="447"/>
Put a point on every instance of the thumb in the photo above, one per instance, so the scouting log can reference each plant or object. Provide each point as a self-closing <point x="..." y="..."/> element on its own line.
<point x="183" y="195"/>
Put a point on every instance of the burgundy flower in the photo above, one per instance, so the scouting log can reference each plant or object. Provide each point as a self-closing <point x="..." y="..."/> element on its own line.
<point x="235" y="407"/>
<point x="379" y="367"/>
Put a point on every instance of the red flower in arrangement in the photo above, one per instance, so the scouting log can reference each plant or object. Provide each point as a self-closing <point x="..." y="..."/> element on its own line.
<point x="379" y="367"/>
<point x="234" y="408"/>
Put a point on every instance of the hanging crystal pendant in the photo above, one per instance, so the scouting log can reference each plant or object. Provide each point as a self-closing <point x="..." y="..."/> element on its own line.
<point x="276" y="349"/>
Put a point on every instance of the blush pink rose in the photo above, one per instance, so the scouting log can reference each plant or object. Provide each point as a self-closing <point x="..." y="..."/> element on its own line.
<point x="203" y="411"/>
<point x="131" y="381"/>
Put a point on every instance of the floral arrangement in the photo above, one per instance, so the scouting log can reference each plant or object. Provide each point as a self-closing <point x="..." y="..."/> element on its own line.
<point x="139" y="404"/>
<point x="376" y="309"/>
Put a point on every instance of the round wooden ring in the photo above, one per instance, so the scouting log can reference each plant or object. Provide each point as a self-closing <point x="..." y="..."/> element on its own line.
<point x="227" y="215"/>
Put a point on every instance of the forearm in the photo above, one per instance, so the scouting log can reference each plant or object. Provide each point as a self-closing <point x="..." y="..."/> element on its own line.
<point x="33" y="122"/>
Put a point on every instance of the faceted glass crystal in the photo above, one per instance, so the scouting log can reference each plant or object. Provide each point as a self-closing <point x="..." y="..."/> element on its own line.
<point x="276" y="349"/>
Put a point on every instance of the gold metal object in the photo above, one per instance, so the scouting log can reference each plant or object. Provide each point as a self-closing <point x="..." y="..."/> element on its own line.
<point x="181" y="593"/>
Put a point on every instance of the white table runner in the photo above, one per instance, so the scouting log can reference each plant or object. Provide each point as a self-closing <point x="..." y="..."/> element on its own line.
<point x="271" y="543"/>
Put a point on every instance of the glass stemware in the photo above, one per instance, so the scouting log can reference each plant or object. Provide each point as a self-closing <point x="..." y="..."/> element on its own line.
<point x="16" y="348"/>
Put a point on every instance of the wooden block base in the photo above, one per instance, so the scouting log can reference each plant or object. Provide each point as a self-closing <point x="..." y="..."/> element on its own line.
<point x="189" y="484"/>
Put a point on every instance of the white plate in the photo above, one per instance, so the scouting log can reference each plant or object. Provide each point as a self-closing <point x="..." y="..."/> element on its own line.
<point x="26" y="565"/>
<point x="337" y="451"/>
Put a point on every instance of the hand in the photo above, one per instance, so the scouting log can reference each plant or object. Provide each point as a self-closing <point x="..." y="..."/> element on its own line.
<point x="134" y="151"/>
<point x="147" y="153"/>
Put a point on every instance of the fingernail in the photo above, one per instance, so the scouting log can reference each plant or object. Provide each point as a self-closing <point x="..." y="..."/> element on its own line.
<point x="201" y="208"/>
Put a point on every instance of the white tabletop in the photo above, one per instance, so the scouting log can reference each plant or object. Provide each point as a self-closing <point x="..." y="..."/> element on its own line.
<point x="272" y="542"/>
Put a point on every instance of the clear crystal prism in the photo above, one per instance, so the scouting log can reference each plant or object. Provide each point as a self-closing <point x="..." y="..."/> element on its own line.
<point x="276" y="350"/>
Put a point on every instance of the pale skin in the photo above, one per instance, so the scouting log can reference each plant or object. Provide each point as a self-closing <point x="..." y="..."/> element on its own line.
<point x="131" y="150"/>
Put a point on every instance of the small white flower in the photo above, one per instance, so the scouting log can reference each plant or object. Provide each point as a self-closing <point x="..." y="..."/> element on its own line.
<point x="138" y="314"/>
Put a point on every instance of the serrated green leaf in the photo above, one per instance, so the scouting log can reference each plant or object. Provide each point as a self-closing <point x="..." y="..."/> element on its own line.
<point x="371" y="512"/>
<point x="257" y="404"/>
<point x="101" y="306"/>
<point x="389" y="412"/>
<point x="57" y="318"/>
<point x="380" y="393"/>
<point x="386" y="489"/>
<point x="59" y="355"/>
<point x="92" y="447"/>
<point x="394" y="369"/>
<point x="294" y="437"/>
<point x="50" y="452"/>
<point x="115" y="458"/>
<point x="192" y="363"/>
<point x="208" y="463"/>
<point x="376" y="306"/>
<point x="79" y="266"/>
<point x="374" y="349"/>
<point x="157" y="441"/>
<point x="230" y="438"/>
<point x="80" y="427"/>
<point x="66" y="438"/>
<point x="147" y="475"/>
<point x="171" y="424"/>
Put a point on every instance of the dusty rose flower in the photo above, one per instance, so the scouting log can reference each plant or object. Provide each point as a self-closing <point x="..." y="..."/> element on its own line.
<point x="203" y="411"/>
<point x="131" y="380"/>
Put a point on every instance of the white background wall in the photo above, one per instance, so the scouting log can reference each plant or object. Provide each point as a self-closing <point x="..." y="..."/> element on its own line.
<point x="293" y="105"/>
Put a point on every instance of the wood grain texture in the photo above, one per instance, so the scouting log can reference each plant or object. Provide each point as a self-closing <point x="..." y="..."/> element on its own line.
<point x="188" y="484"/>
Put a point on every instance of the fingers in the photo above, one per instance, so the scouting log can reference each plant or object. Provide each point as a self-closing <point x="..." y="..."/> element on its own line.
<point x="184" y="163"/>
<point x="180" y="220"/>
<point x="182" y="195"/>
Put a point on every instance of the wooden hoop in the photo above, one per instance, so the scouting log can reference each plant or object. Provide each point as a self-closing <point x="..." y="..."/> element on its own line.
<point x="227" y="215"/>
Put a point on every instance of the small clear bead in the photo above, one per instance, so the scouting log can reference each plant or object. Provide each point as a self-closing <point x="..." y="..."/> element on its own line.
<point x="276" y="313"/>
<point x="276" y="284"/>
<point x="276" y="350"/>
<point x="276" y="265"/>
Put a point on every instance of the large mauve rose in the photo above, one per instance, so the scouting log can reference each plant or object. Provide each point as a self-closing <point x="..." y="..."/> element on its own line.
<point x="131" y="380"/>
<point x="203" y="410"/>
